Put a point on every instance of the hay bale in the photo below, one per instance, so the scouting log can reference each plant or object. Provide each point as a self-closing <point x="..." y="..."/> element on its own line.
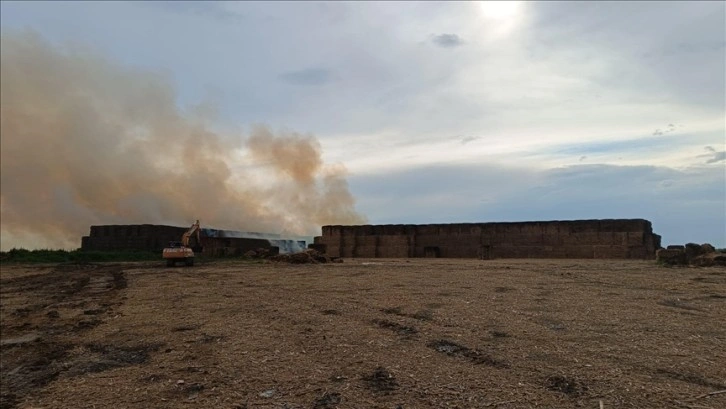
<point x="697" y="255"/>
<point x="671" y="257"/>
<point x="693" y="250"/>
<point x="709" y="260"/>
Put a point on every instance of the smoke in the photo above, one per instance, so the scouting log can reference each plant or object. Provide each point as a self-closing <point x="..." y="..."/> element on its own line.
<point x="86" y="141"/>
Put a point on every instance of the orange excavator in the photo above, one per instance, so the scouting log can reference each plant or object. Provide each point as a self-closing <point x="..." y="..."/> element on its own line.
<point x="182" y="251"/>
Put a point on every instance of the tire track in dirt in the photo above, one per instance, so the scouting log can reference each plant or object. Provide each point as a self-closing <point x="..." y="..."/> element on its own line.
<point x="42" y="316"/>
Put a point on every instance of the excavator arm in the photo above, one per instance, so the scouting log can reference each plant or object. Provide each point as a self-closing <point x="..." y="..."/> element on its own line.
<point x="192" y="231"/>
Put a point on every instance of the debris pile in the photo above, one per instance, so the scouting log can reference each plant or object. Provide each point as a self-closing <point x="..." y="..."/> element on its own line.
<point x="692" y="254"/>
<point x="260" y="253"/>
<point x="309" y="256"/>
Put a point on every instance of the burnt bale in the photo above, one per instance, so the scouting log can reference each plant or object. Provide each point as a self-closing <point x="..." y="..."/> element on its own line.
<point x="692" y="254"/>
<point x="318" y="256"/>
<point x="671" y="257"/>
<point x="308" y="256"/>
<point x="709" y="260"/>
<point x="300" y="258"/>
<point x="692" y="251"/>
<point x="319" y="247"/>
<point x="260" y="253"/>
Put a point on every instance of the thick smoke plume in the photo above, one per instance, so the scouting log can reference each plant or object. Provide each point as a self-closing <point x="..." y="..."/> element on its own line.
<point x="86" y="141"/>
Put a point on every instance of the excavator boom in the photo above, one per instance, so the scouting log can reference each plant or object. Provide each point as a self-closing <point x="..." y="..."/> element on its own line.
<point x="192" y="231"/>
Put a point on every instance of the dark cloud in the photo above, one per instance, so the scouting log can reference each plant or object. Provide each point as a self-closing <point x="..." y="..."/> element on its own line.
<point x="717" y="157"/>
<point x="669" y="128"/>
<point x="308" y="76"/>
<point x="447" y="40"/>
<point x="713" y="156"/>
<point x="467" y="139"/>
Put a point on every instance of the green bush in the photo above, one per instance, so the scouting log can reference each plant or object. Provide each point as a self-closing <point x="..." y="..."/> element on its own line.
<point x="74" y="256"/>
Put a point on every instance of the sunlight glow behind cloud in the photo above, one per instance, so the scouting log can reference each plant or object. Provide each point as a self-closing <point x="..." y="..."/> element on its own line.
<point x="500" y="10"/>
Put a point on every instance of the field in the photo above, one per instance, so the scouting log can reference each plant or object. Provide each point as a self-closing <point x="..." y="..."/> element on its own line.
<point x="419" y="333"/>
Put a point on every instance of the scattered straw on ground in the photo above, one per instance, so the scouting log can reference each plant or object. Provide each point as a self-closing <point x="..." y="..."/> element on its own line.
<point x="364" y="334"/>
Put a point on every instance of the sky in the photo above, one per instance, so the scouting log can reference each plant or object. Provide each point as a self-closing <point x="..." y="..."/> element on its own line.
<point x="447" y="112"/>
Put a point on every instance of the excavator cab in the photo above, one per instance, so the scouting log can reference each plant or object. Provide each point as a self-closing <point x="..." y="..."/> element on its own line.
<point x="182" y="251"/>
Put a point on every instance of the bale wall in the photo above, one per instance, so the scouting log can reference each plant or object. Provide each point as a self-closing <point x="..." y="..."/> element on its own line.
<point x="148" y="237"/>
<point x="610" y="238"/>
<point x="142" y="237"/>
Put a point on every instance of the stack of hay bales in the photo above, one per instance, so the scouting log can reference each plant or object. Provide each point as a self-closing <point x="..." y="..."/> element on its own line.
<point x="692" y="254"/>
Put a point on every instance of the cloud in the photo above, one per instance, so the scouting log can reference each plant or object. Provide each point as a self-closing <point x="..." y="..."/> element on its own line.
<point x="467" y="139"/>
<point x="670" y="128"/>
<point x="308" y="76"/>
<point x="695" y="47"/>
<point x="541" y="76"/>
<point x="447" y="40"/>
<point x="713" y="156"/>
<point x="625" y="145"/>
<point x="216" y="10"/>
<point x="652" y="59"/>
<point x="717" y="157"/>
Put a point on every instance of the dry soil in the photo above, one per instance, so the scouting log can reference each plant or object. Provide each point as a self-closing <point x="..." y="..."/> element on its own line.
<point x="377" y="333"/>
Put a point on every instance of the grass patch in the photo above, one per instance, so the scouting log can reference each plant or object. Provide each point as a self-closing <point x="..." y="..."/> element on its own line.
<point x="74" y="256"/>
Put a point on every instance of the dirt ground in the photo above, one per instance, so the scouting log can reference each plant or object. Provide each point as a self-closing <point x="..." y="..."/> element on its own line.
<point x="416" y="333"/>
